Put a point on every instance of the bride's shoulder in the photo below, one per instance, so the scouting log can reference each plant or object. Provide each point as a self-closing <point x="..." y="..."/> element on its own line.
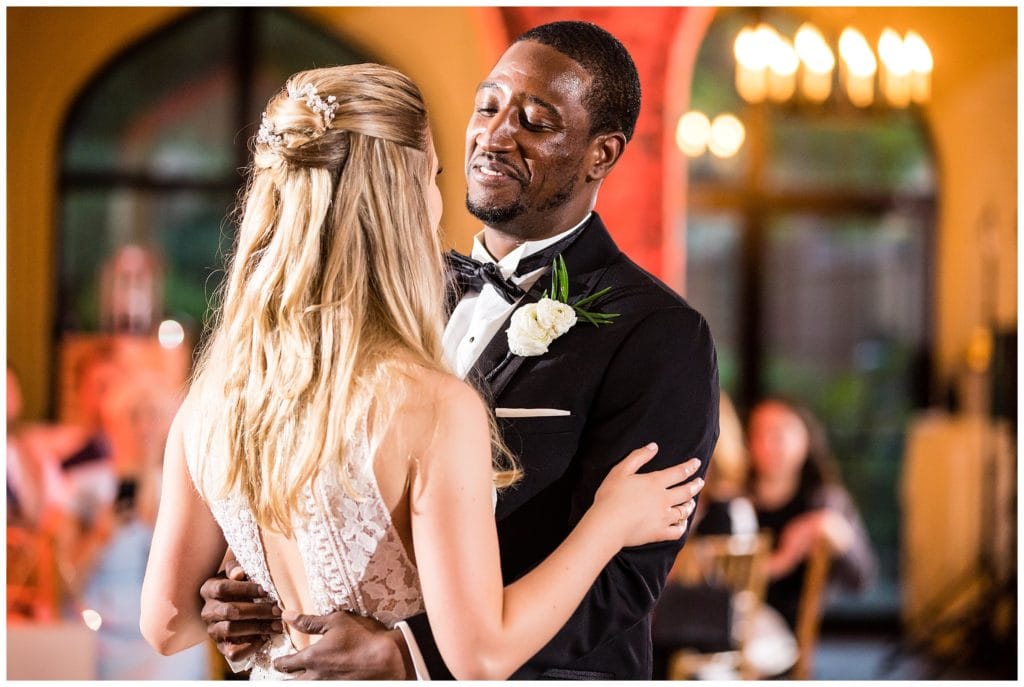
<point x="432" y="387"/>
<point x="440" y="397"/>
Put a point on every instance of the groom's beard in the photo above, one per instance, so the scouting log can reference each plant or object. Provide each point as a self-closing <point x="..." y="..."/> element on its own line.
<point x="495" y="214"/>
<point x="502" y="214"/>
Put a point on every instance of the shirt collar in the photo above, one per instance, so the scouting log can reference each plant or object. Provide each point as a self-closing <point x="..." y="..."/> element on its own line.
<point x="510" y="262"/>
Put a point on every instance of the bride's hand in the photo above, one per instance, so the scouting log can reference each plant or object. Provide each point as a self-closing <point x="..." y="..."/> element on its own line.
<point x="648" y="507"/>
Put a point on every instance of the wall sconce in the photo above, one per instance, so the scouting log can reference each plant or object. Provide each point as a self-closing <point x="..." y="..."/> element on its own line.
<point x="696" y="134"/>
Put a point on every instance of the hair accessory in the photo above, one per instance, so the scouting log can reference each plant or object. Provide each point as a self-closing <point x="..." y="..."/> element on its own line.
<point x="325" y="108"/>
<point x="266" y="133"/>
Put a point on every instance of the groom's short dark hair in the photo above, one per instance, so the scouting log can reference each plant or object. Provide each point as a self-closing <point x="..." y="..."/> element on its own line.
<point x="614" y="97"/>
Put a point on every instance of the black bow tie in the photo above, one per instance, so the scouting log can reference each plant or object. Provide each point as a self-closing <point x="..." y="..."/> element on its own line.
<point x="471" y="274"/>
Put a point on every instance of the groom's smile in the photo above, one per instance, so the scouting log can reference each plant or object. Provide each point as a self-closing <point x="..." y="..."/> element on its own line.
<point x="526" y="143"/>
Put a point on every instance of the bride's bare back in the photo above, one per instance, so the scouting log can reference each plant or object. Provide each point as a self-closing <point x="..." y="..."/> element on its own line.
<point x="393" y="462"/>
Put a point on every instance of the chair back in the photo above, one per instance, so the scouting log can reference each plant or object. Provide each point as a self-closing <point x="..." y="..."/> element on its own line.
<point x="735" y="562"/>
<point x="808" y="616"/>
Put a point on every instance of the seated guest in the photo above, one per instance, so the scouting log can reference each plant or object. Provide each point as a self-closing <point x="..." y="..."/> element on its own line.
<point x="798" y="498"/>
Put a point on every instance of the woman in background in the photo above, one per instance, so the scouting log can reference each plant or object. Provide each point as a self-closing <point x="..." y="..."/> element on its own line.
<point x="798" y="498"/>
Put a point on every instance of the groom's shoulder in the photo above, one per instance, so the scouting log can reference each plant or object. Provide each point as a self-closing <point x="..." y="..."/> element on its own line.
<point x="640" y="294"/>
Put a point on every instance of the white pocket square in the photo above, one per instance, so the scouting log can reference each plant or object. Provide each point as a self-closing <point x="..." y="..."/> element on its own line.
<point x="530" y="412"/>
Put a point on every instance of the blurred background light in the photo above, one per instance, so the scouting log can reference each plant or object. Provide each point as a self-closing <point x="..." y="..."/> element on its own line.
<point x="692" y="133"/>
<point x="171" y="334"/>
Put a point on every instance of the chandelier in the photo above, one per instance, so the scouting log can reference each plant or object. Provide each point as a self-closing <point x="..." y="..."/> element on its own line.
<point x="773" y="68"/>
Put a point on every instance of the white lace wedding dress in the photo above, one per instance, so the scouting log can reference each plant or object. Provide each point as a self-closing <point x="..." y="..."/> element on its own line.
<point x="351" y="553"/>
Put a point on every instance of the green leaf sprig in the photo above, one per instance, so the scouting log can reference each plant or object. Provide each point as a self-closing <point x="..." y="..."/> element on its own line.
<point x="560" y="292"/>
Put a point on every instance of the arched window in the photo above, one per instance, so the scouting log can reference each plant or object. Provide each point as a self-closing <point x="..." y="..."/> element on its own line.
<point x="153" y="149"/>
<point x="809" y="253"/>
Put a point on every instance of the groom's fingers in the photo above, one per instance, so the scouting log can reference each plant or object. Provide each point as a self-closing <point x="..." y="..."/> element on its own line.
<point x="309" y="624"/>
<point x="242" y="631"/>
<point x="224" y="589"/>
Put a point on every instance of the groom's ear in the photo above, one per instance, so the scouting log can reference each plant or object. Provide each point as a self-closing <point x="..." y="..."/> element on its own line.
<point x="604" y="151"/>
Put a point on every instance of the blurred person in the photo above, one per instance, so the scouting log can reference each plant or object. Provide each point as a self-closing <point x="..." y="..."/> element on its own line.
<point x="725" y="508"/>
<point x="34" y="517"/>
<point x="325" y="439"/>
<point x="112" y="559"/>
<point x="25" y="478"/>
<point x="796" y="492"/>
<point x="699" y="616"/>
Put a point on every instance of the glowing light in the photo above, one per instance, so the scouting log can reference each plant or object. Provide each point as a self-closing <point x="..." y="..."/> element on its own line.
<point x="692" y="133"/>
<point x="896" y="68"/>
<point x="813" y="50"/>
<point x="783" y="63"/>
<point x="170" y="334"/>
<point x="744" y="49"/>
<point x="861" y="66"/>
<point x="919" y="55"/>
<point x="92" y="619"/>
<point x="727" y="135"/>
<point x="750" y="47"/>
<point x="784" y="59"/>
<point x="856" y="53"/>
<point x="816" y="77"/>
<point x="921" y="65"/>
<point x="892" y="53"/>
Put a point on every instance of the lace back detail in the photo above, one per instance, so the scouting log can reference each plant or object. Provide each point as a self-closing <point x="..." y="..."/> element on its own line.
<point x="354" y="559"/>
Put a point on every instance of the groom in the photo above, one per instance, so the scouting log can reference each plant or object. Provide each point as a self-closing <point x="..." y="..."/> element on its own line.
<point x="549" y="124"/>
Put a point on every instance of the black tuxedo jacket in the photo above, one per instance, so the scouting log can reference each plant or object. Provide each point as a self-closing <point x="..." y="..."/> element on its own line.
<point x="649" y="376"/>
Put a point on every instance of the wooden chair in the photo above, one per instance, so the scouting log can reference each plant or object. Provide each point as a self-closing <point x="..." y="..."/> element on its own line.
<point x="808" y="616"/>
<point x="737" y="563"/>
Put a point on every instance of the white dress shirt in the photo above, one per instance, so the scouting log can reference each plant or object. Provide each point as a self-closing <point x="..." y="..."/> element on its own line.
<point x="479" y="315"/>
<point x="472" y="325"/>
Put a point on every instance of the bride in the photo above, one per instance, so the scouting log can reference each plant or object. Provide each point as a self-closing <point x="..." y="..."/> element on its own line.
<point x="324" y="440"/>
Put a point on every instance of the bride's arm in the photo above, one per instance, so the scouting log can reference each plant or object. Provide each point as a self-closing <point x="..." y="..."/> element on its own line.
<point x="485" y="631"/>
<point x="187" y="549"/>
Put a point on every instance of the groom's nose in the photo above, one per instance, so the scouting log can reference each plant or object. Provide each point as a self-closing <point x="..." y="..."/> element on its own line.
<point x="498" y="133"/>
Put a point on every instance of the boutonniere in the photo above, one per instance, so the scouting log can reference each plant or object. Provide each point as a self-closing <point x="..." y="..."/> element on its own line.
<point x="535" y="325"/>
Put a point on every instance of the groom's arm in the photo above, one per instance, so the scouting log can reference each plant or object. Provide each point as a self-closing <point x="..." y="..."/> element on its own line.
<point x="661" y="386"/>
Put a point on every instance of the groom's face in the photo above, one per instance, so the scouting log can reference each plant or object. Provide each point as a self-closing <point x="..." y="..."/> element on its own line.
<point x="527" y="141"/>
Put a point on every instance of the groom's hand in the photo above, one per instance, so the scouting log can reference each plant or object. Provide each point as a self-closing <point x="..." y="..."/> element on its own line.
<point x="236" y="613"/>
<point x="350" y="648"/>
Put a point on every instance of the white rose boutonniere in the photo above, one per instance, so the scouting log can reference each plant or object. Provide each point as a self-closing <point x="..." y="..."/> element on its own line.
<point x="535" y="325"/>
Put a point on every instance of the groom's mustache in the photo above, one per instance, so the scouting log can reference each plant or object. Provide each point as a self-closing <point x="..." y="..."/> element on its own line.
<point x="499" y="163"/>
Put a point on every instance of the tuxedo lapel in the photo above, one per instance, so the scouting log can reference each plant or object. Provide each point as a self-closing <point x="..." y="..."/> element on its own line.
<point x="586" y="260"/>
<point x="496" y="363"/>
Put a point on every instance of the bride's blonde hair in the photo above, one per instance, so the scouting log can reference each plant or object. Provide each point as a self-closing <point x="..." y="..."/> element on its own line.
<point x="334" y="289"/>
